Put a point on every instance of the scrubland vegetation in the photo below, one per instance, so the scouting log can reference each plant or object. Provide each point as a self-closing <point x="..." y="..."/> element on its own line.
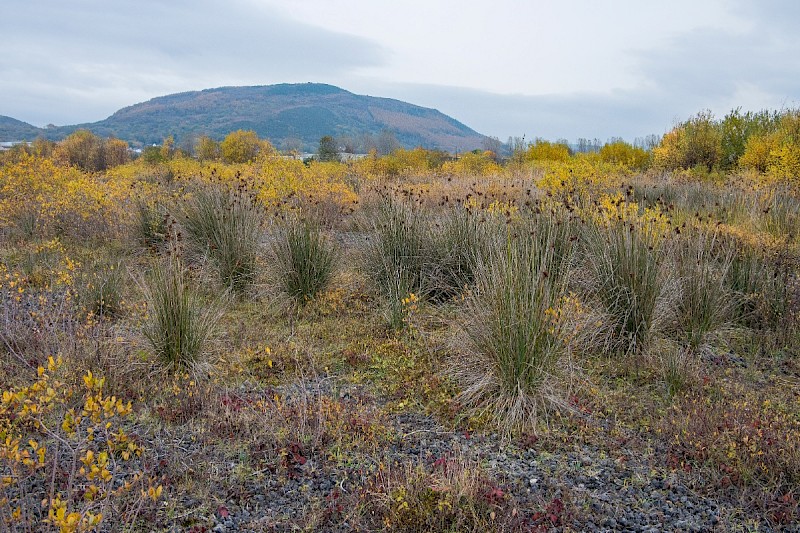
<point x="411" y="342"/>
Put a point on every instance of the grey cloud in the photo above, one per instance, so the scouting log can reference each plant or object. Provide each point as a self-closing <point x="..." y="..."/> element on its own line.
<point x="700" y="69"/>
<point x="86" y="56"/>
<point x="706" y="67"/>
<point x="624" y="114"/>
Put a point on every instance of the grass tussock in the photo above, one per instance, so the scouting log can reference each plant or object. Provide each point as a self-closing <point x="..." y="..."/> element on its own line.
<point x="100" y="291"/>
<point x="304" y="259"/>
<point x="457" y="244"/>
<point x="223" y="224"/>
<point x="629" y="283"/>
<point x="150" y="224"/>
<point x="704" y="306"/>
<point x="179" y="324"/>
<point x="512" y="352"/>
<point x="395" y="256"/>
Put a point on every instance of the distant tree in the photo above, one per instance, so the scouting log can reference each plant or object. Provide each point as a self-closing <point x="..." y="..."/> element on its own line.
<point x="240" y="146"/>
<point x="622" y="153"/>
<point x="188" y="144"/>
<point x="368" y="143"/>
<point x="387" y="143"/>
<point x="493" y="145"/>
<point x="82" y="149"/>
<point x="152" y="155"/>
<point x="42" y="147"/>
<point x="517" y="146"/>
<point x="293" y="145"/>
<point x="694" y="143"/>
<point x="348" y="143"/>
<point x="207" y="149"/>
<point x="328" y="150"/>
<point x="737" y="127"/>
<point x="542" y="150"/>
<point x="89" y="152"/>
<point x="168" y="148"/>
<point x="776" y="150"/>
<point x="116" y="152"/>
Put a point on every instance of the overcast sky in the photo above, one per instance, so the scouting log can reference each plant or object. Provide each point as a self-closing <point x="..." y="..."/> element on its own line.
<point x="542" y="68"/>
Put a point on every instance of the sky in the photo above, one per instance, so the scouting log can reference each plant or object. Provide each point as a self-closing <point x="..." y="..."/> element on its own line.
<point x="538" y="68"/>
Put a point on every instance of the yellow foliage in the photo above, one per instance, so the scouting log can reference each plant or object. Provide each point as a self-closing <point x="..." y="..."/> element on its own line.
<point x="757" y="152"/>
<point x="473" y="164"/>
<point x="243" y="146"/>
<point x="27" y="414"/>
<point x="626" y="155"/>
<point x="542" y="150"/>
<point x="401" y="162"/>
<point x="59" y="198"/>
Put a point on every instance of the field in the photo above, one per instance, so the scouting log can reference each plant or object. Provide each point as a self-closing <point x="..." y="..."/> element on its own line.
<point x="571" y="342"/>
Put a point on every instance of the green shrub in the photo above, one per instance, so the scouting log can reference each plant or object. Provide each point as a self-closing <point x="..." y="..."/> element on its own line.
<point x="224" y="224"/>
<point x="305" y="259"/>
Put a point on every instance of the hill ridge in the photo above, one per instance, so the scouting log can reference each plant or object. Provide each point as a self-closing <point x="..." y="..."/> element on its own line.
<point x="283" y="113"/>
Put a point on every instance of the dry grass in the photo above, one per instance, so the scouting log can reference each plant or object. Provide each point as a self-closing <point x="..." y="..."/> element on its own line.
<point x="336" y="423"/>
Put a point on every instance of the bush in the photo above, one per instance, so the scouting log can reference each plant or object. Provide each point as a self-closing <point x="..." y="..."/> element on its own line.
<point x="91" y="153"/>
<point x="67" y="459"/>
<point x="694" y="143"/>
<point x="776" y="150"/>
<point x="150" y="225"/>
<point x="512" y="329"/>
<point x="179" y="323"/>
<point x="224" y="224"/>
<point x="541" y="150"/>
<point x="471" y="164"/>
<point x="622" y="153"/>
<point x="305" y="259"/>
<point x="241" y="147"/>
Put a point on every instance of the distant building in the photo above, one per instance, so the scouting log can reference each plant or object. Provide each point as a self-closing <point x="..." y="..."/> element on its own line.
<point x="343" y="156"/>
<point x="8" y="145"/>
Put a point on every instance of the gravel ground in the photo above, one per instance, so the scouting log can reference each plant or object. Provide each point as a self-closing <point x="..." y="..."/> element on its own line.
<point x="604" y="493"/>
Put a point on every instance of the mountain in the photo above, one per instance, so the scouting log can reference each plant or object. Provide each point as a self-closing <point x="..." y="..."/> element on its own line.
<point x="12" y="129"/>
<point x="304" y="111"/>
